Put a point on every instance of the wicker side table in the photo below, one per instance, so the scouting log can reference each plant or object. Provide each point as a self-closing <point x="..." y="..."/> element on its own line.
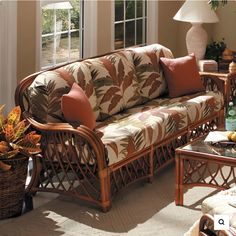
<point x="198" y="160"/>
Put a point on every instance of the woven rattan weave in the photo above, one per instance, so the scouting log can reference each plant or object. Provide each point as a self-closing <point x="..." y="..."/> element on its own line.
<point x="12" y="187"/>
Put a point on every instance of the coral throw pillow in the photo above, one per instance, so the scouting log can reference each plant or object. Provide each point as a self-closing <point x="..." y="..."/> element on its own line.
<point x="182" y="75"/>
<point x="76" y="107"/>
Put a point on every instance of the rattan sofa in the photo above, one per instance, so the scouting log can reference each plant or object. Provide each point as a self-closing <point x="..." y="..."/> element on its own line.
<point x="138" y="126"/>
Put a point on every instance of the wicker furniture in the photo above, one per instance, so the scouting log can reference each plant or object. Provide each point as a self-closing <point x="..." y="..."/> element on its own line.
<point x="198" y="160"/>
<point x="229" y="82"/>
<point x="125" y="146"/>
<point x="12" y="187"/>
<point x="218" y="204"/>
<point x="206" y="228"/>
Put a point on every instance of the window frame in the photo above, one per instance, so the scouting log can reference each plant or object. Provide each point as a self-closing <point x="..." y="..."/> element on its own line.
<point x="151" y="19"/>
<point x="89" y="38"/>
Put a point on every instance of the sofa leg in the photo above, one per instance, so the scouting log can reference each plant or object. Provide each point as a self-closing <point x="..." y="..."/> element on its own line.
<point x="106" y="208"/>
<point x="150" y="179"/>
<point x="105" y="190"/>
<point x="151" y="166"/>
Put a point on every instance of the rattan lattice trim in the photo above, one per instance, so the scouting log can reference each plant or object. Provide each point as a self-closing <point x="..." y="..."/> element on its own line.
<point x="129" y="173"/>
<point x="207" y="173"/>
<point x="69" y="165"/>
<point x="12" y="187"/>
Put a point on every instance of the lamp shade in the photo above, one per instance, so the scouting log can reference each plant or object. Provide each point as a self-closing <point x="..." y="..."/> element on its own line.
<point x="196" y="12"/>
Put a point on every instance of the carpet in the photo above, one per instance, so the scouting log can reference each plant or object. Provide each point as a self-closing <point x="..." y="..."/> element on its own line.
<point x="194" y="230"/>
<point x="142" y="209"/>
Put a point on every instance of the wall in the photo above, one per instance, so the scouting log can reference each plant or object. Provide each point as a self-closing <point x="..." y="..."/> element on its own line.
<point x="226" y="26"/>
<point x="104" y="27"/>
<point x="26" y="38"/>
<point x="8" y="19"/>
<point x="167" y="27"/>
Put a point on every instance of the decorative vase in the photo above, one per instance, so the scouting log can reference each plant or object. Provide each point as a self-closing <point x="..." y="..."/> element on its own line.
<point x="232" y="67"/>
<point x="12" y="187"/>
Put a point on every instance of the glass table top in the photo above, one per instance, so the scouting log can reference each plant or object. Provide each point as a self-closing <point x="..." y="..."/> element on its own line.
<point x="222" y="149"/>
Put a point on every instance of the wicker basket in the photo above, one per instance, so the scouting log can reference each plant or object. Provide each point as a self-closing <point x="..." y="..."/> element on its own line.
<point x="12" y="187"/>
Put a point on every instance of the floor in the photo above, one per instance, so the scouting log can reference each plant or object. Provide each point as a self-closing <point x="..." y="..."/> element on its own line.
<point x="142" y="209"/>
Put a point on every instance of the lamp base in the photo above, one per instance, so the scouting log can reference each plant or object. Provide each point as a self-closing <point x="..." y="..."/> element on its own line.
<point x="196" y="41"/>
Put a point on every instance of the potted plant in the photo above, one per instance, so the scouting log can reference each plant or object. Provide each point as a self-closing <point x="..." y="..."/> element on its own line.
<point x="17" y="144"/>
<point x="217" y="3"/>
<point x="214" y="50"/>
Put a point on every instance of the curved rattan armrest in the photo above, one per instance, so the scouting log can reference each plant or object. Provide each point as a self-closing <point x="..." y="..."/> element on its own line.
<point x="231" y="79"/>
<point x="47" y="126"/>
<point x="204" y="229"/>
<point x="84" y="132"/>
<point x="228" y="80"/>
<point x="213" y="81"/>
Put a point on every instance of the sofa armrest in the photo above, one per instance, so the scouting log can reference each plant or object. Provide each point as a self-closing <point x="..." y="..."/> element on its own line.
<point x="227" y="80"/>
<point x="60" y="134"/>
<point x="213" y="81"/>
<point x="231" y="79"/>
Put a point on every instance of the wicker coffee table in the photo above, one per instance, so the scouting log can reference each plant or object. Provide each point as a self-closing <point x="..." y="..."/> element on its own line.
<point x="202" y="164"/>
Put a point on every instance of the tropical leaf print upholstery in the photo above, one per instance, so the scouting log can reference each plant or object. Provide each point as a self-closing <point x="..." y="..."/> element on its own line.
<point x="45" y="93"/>
<point x="149" y="73"/>
<point x="115" y="83"/>
<point x="45" y="96"/>
<point x="81" y="72"/>
<point x="115" y="94"/>
<point x="134" y="129"/>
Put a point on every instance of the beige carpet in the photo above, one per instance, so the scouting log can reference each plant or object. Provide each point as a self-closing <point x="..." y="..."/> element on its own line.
<point x="143" y="209"/>
<point x="194" y="230"/>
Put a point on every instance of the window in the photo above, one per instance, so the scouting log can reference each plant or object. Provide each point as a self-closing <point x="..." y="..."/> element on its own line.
<point x="62" y="28"/>
<point x="130" y="23"/>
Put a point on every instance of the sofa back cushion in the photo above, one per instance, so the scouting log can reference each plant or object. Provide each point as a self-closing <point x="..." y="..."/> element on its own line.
<point x="115" y="83"/>
<point x="47" y="89"/>
<point x="109" y="82"/>
<point x="149" y="73"/>
<point x="81" y="72"/>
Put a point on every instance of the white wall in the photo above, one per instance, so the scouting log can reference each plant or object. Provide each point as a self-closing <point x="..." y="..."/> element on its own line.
<point x="8" y="52"/>
<point x="225" y="28"/>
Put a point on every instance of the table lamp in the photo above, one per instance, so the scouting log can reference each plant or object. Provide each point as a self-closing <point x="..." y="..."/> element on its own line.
<point x="196" y="12"/>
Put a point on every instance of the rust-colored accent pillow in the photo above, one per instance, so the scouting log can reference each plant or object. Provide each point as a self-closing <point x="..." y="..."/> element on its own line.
<point x="182" y="75"/>
<point x="76" y="107"/>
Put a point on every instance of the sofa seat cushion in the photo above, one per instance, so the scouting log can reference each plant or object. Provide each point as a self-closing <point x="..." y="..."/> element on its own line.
<point x="203" y="105"/>
<point x="115" y="82"/>
<point x="148" y="70"/>
<point x="219" y="204"/>
<point x="139" y="127"/>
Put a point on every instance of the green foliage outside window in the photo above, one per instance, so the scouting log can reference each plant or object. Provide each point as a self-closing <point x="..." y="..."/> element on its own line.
<point x="62" y="15"/>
